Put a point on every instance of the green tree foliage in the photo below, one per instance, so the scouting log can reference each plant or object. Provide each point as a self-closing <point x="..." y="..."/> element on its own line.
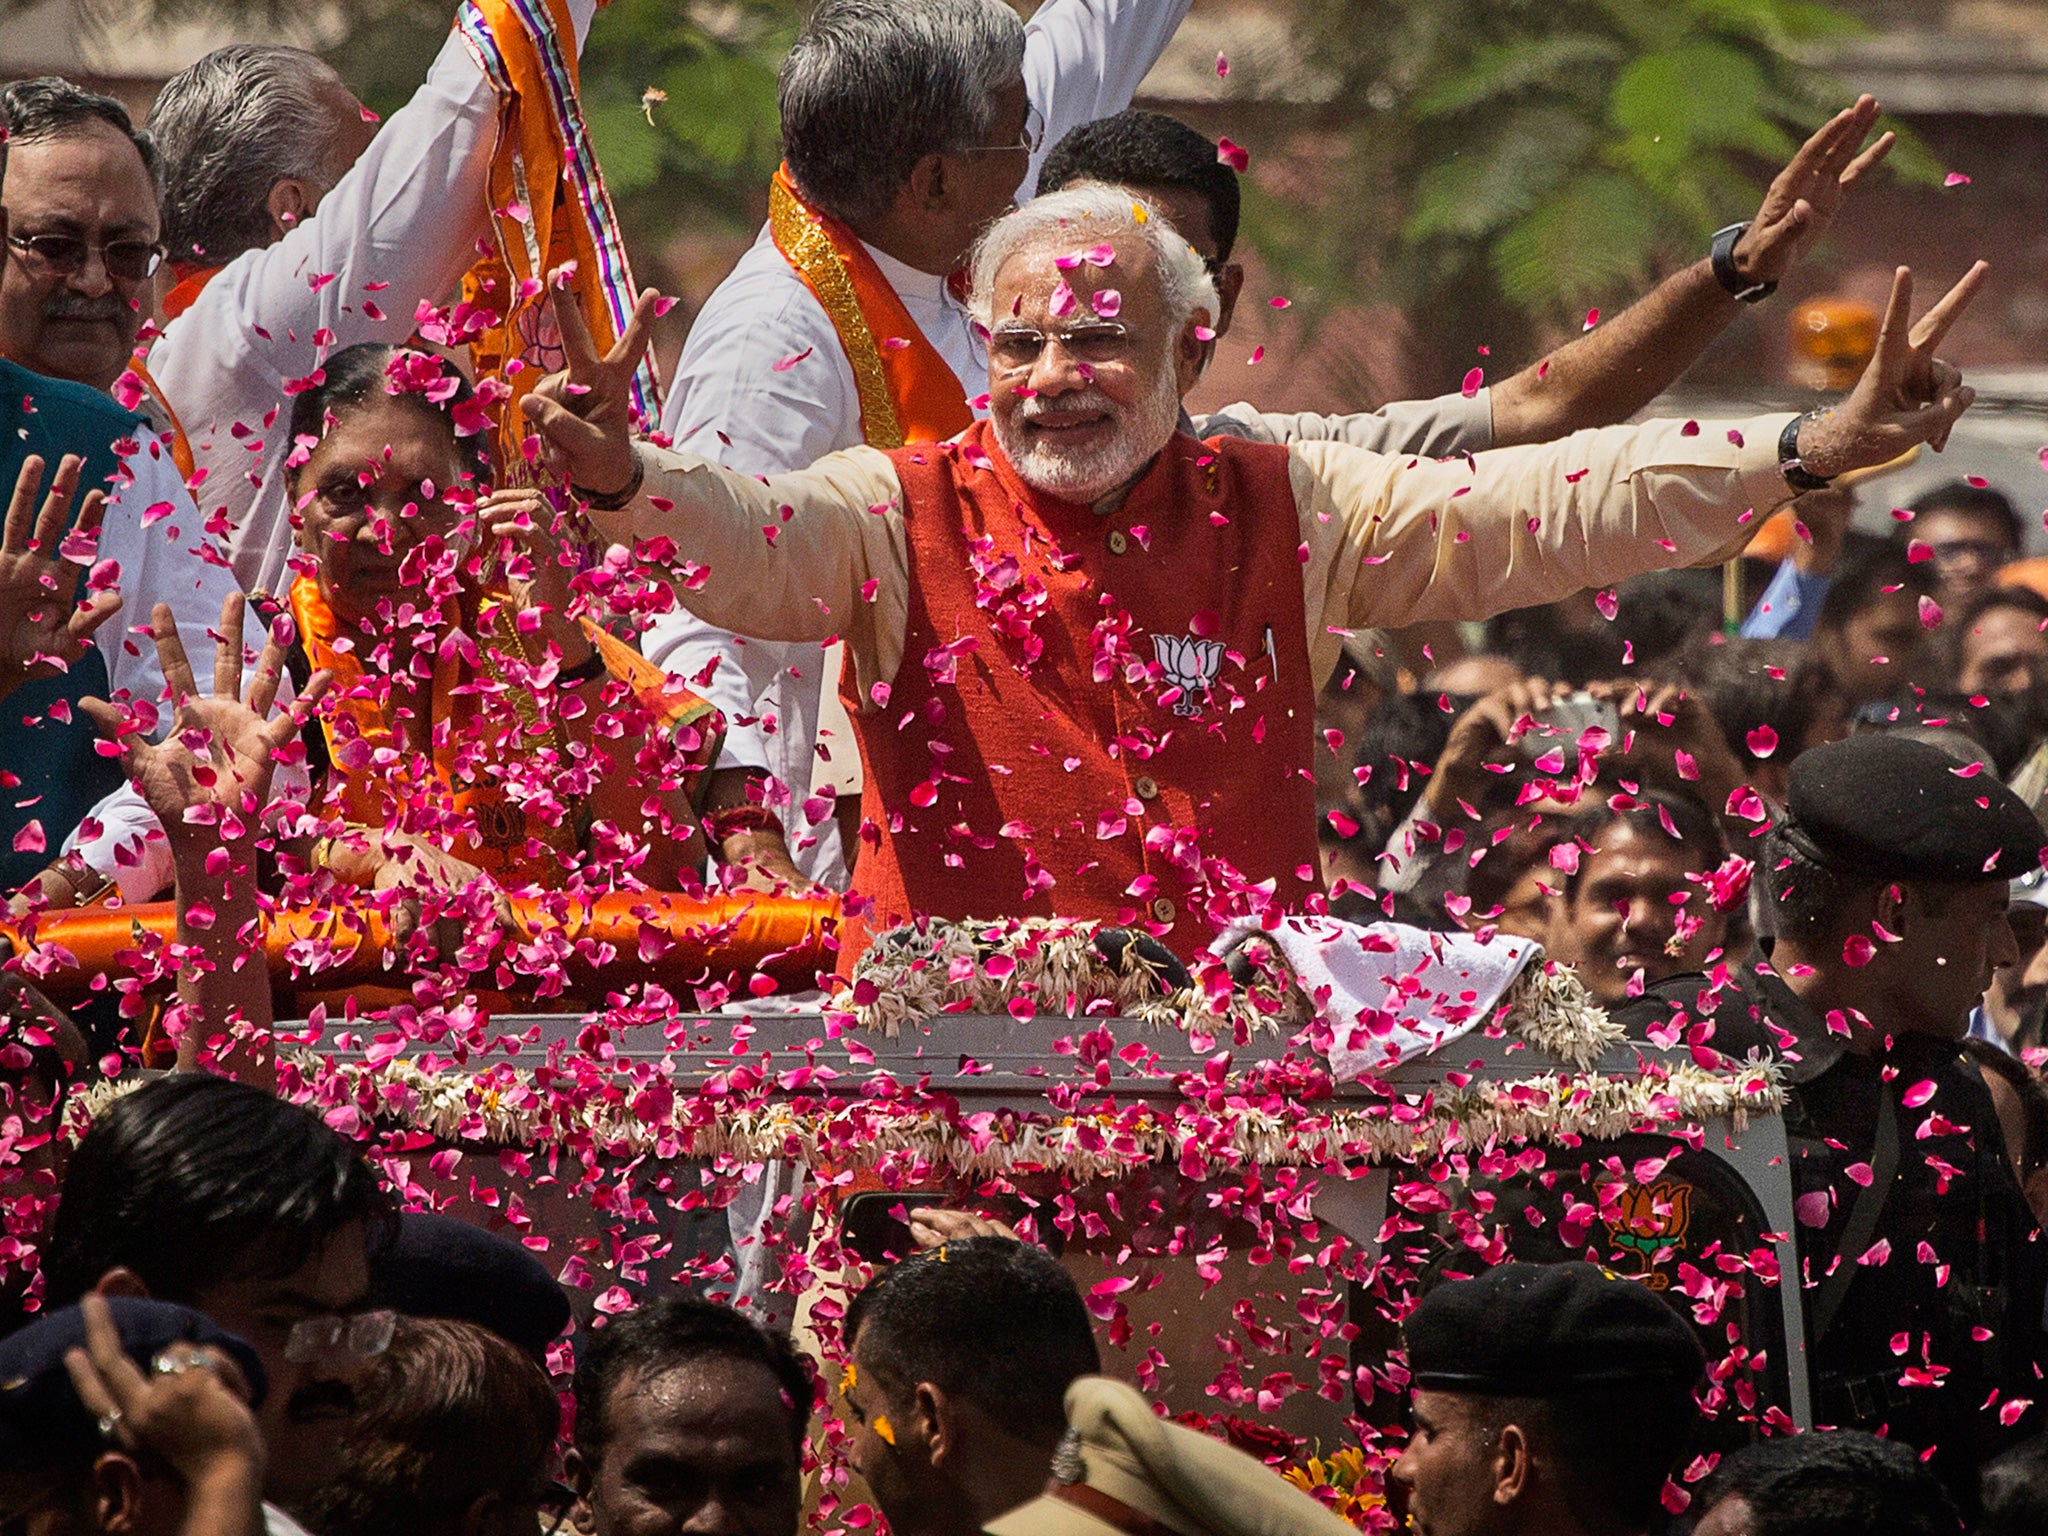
<point x="1502" y="166"/>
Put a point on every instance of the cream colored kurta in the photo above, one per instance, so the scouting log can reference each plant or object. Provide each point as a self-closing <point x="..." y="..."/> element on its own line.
<point x="1388" y="540"/>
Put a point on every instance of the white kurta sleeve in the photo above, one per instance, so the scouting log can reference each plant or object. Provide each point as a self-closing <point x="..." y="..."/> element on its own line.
<point x="400" y="227"/>
<point x="1388" y="540"/>
<point x="1084" y="59"/>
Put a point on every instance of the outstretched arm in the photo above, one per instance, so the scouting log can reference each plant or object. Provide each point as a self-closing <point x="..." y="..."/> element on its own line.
<point x="1621" y="365"/>
<point x="812" y="555"/>
<point x="1390" y="541"/>
<point x="208" y="781"/>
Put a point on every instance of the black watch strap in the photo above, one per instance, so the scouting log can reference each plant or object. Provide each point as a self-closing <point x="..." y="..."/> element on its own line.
<point x="1723" y="259"/>
<point x="622" y="497"/>
<point x="1797" y="475"/>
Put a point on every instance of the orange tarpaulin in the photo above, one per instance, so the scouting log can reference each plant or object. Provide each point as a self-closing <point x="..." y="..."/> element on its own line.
<point x="666" y="938"/>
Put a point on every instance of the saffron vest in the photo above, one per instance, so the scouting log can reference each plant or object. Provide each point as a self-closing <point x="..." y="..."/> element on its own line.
<point x="1104" y="717"/>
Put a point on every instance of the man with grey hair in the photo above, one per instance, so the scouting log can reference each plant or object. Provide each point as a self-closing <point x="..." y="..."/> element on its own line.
<point x="297" y="228"/>
<point x="907" y="126"/>
<point x="1085" y="647"/>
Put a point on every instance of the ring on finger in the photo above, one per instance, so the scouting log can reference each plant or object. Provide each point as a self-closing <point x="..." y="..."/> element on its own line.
<point x="110" y="1423"/>
<point x="175" y="1362"/>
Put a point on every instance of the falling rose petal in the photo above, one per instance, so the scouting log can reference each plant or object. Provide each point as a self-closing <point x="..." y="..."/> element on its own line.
<point x="1857" y="950"/>
<point x="1258" y="355"/>
<point x="1763" y="741"/>
<point x="1204" y="333"/>
<point x="1955" y="179"/>
<point x="1930" y="612"/>
<point x="1608" y="603"/>
<point x="1345" y="827"/>
<point x="1592" y="319"/>
<point x="2013" y="1410"/>
<point x="1918" y="551"/>
<point x="1472" y="382"/>
<point x="1222" y="67"/>
<point x="1206" y="623"/>
<point x="1100" y="256"/>
<point x="784" y="364"/>
<point x="1918" y="1094"/>
<point x="1812" y="1208"/>
<point x="665" y="303"/>
<point x="1688" y="767"/>
<point x="1063" y="302"/>
<point x="1879" y="1252"/>
<point x="1107" y="303"/>
<point x="1233" y="156"/>
<point x="1276" y="302"/>
<point x="30" y="839"/>
<point x="1860" y="1173"/>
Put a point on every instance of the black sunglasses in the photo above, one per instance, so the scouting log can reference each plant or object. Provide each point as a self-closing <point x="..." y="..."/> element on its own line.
<point x="128" y="260"/>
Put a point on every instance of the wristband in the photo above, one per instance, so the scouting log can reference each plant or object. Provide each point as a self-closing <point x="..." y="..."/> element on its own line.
<point x="1797" y="475"/>
<point x="620" y="498"/>
<point x="1722" y="257"/>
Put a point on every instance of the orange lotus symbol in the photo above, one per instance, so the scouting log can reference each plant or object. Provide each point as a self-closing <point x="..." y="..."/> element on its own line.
<point x="1651" y="1221"/>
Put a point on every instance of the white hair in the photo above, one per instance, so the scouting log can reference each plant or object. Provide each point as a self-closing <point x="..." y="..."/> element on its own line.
<point x="1086" y="214"/>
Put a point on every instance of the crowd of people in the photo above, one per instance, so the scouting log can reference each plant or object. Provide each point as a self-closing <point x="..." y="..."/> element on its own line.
<point x="363" y="414"/>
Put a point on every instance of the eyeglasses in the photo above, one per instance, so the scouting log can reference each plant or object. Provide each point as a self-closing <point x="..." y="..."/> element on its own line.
<point x="1016" y="348"/>
<point x="362" y="1336"/>
<point x="129" y="260"/>
<point x="1028" y="141"/>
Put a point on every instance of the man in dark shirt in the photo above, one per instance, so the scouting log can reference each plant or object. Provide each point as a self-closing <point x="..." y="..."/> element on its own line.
<point x="1923" y="1272"/>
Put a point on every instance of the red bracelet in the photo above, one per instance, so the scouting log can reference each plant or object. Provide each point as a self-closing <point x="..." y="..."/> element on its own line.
<point x="720" y="825"/>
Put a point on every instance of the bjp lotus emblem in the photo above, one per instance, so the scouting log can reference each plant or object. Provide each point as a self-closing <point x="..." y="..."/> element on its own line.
<point x="1190" y="664"/>
<point x="1650" y="1221"/>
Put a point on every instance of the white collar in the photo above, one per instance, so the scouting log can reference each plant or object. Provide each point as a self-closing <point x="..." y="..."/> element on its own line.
<point x="908" y="282"/>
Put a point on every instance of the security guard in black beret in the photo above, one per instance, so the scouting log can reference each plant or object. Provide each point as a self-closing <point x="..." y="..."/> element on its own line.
<point x="1924" y="1274"/>
<point x="1548" y="1400"/>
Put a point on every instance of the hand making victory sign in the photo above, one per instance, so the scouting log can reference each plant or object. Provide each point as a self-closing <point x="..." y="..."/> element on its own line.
<point x="40" y="624"/>
<point x="1805" y="197"/>
<point x="1906" y="396"/>
<point x="584" y="413"/>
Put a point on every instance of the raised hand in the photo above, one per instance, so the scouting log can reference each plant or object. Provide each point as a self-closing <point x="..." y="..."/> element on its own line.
<point x="585" y="413"/>
<point x="218" y="757"/>
<point x="1809" y="192"/>
<point x="520" y="523"/>
<point x="39" y="624"/>
<point x="1905" y="396"/>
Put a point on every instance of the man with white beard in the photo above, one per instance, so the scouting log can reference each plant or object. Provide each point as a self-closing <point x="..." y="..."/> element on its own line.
<point x="1085" y="647"/>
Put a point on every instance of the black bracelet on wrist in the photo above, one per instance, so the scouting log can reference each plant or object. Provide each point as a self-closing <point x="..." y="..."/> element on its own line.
<point x="1797" y="475"/>
<point x="1722" y="256"/>
<point x="623" y="496"/>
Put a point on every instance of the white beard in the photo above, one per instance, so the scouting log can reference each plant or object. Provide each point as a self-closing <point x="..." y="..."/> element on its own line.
<point x="1087" y="475"/>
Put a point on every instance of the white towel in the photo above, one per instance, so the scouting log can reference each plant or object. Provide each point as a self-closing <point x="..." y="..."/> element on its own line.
<point x="1390" y="992"/>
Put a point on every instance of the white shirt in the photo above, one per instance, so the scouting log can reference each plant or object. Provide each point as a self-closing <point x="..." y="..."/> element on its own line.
<point x="405" y="218"/>
<point x="1083" y="60"/>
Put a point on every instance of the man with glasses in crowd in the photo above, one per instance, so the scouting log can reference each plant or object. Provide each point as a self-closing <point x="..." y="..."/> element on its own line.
<point x="78" y="216"/>
<point x="252" y="1211"/>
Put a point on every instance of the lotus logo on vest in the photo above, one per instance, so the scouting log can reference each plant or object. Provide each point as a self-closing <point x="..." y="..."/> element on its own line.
<point x="1190" y="664"/>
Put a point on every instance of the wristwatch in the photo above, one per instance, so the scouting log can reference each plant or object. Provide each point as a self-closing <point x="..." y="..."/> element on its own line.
<point x="1723" y="259"/>
<point x="622" y="497"/>
<point x="1797" y="475"/>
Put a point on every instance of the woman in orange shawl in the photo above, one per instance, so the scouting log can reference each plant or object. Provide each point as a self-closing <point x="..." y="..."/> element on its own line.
<point x="474" y="727"/>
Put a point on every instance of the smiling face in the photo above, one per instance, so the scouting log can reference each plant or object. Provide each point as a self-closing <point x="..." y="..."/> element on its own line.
<point x="1621" y="915"/>
<point x="87" y="184"/>
<point x="1086" y="367"/>
<point x="383" y="483"/>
